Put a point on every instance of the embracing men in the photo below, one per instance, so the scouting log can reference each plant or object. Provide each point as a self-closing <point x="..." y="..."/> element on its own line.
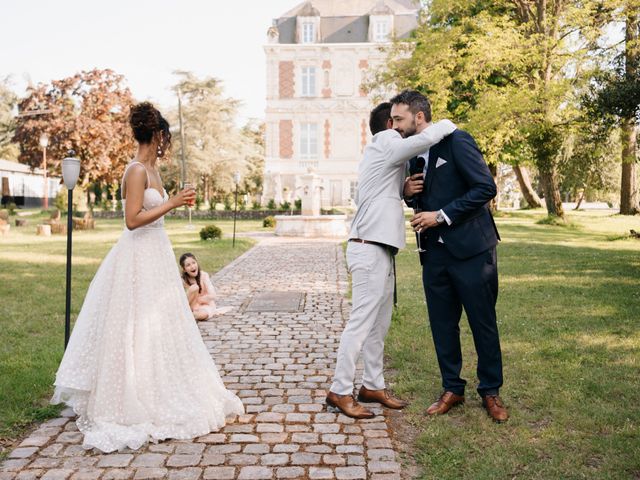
<point x="377" y="232"/>
<point x="451" y="188"/>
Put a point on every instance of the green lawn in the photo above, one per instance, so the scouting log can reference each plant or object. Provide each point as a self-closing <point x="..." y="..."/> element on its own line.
<point x="568" y="314"/>
<point x="32" y="293"/>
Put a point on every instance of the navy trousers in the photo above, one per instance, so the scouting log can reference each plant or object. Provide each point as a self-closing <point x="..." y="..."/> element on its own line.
<point x="451" y="284"/>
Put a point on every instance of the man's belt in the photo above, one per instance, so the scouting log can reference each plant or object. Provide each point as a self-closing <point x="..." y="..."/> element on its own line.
<point x="391" y="249"/>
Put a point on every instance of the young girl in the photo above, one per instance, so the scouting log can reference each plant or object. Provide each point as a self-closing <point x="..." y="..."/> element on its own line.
<point x="200" y="291"/>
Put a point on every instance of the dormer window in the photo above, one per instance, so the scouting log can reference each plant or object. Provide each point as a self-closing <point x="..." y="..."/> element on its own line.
<point x="308" y="24"/>
<point x="381" y="31"/>
<point x="308" y="32"/>
<point x="381" y="23"/>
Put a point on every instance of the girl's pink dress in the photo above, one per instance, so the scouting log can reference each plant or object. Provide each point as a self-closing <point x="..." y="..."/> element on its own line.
<point x="206" y="298"/>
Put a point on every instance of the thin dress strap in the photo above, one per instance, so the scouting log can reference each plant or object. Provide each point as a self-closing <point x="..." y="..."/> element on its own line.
<point x="124" y="175"/>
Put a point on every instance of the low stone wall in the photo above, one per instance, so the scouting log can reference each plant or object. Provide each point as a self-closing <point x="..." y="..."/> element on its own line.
<point x="209" y="215"/>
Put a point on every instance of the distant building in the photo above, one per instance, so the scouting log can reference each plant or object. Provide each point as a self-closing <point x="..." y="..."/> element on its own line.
<point x="25" y="187"/>
<point x="318" y="55"/>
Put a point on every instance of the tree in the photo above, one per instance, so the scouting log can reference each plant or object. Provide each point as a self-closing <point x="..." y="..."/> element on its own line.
<point x="615" y="93"/>
<point x="629" y="187"/>
<point x="214" y="147"/>
<point x="587" y="165"/>
<point x="254" y="140"/>
<point x="87" y="112"/>
<point x="508" y="71"/>
<point x="8" y="101"/>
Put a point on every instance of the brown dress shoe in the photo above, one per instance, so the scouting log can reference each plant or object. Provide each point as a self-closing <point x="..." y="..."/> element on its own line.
<point x="446" y="402"/>
<point x="347" y="405"/>
<point x="381" y="396"/>
<point x="495" y="408"/>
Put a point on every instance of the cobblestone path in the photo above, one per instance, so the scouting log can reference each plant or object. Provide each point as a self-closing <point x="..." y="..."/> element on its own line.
<point x="277" y="352"/>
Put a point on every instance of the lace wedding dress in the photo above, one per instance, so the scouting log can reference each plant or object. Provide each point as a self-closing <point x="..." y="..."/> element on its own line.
<point x="136" y="368"/>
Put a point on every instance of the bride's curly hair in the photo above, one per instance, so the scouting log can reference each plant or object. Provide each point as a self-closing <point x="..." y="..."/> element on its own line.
<point x="185" y="276"/>
<point x="146" y="120"/>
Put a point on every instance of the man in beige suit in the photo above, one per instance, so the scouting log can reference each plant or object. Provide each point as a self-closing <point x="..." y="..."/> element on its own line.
<point x="377" y="232"/>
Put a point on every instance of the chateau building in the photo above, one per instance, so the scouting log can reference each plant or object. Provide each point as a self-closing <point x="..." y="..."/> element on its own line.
<point x="318" y="54"/>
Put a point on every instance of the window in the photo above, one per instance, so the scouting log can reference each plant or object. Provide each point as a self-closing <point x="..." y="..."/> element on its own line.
<point x="308" y="141"/>
<point x="308" y="32"/>
<point x="381" y="31"/>
<point x="308" y="81"/>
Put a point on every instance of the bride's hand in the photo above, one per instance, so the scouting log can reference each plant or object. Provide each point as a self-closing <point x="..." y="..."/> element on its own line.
<point x="184" y="197"/>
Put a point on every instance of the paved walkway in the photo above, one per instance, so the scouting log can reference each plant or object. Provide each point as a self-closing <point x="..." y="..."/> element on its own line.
<point x="279" y="362"/>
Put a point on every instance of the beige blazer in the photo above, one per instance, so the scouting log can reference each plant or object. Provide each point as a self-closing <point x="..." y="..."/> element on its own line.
<point x="381" y="173"/>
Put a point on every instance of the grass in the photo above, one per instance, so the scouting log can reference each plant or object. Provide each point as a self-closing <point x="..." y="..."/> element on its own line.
<point x="32" y="293"/>
<point x="568" y="315"/>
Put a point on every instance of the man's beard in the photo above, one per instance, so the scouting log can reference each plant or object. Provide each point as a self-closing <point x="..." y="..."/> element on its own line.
<point x="409" y="132"/>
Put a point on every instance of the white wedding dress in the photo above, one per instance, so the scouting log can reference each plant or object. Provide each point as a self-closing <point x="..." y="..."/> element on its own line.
<point x="136" y="368"/>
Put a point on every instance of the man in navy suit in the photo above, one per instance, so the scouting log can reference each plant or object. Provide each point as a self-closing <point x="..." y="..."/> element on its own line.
<point x="450" y="189"/>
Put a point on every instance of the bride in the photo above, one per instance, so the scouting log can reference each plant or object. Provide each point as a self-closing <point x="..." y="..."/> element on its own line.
<point x="136" y="368"/>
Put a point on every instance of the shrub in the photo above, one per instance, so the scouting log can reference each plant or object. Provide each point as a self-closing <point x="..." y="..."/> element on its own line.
<point x="12" y="208"/>
<point x="255" y="206"/>
<point x="60" y="201"/>
<point x="227" y="203"/>
<point x="557" y="222"/>
<point x="269" y="222"/>
<point x="199" y="202"/>
<point x="331" y="211"/>
<point x="285" y="206"/>
<point x="272" y="204"/>
<point x="210" y="232"/>
<point x="298" y="204"/>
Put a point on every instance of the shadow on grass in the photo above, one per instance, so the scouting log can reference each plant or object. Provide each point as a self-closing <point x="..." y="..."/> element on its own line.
<point x="568" y="312"/>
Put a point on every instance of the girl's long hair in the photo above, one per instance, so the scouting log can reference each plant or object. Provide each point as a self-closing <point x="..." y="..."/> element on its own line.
<point x="185" y="275"/>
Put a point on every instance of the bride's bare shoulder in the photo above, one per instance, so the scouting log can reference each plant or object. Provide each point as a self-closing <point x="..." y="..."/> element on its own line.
<point x="135" y="176"/>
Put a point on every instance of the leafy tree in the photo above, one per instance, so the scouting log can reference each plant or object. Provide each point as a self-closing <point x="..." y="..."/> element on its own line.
<point x="87" y="112"/>
<point x="215" y="148"/>
<point x="509" y="70"/>
<point x="8" y="100"/>
<point x="254" y="142"/>
<point x="615" y="93"/>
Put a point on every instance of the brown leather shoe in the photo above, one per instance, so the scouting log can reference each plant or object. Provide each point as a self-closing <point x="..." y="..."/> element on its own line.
<point x="495" y="408"/>
<point x="381" y="396"/>
<point x="446" y="402"/>
<point x="347" y="405"/>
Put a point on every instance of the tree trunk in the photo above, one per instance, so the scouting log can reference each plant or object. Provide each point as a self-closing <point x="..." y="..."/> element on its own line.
<point x="530" y="195"/>
<point x="584" y="193"/>
<point x="628" y="184"/>
<point x="549" y="181"/>
<point x="494" y="203"/>
<point x="205" y="188"/>
<point x="629" y="132"/>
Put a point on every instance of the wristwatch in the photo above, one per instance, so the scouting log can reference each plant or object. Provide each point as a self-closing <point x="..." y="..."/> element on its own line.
<point x="440" y="218"/>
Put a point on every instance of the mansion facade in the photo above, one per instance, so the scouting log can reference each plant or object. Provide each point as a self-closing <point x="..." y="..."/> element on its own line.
<point x="317" y="115"/>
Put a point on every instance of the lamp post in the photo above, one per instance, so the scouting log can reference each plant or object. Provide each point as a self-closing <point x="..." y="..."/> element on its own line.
<point x="183" y="170"/>
<point x="236" y="179"/>
<point x="70" y="173"/>
<point x="44" y="143"/>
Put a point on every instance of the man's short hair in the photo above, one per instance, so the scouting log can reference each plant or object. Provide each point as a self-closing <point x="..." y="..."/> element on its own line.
<point x="415" y="101"/>
<point x="379" y="118"/>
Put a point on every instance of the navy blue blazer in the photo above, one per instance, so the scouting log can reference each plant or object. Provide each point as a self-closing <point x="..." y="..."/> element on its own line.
<point x="461" y="186"/>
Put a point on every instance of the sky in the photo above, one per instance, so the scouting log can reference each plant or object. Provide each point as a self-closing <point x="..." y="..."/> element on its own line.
<point x="43" y="40"/>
